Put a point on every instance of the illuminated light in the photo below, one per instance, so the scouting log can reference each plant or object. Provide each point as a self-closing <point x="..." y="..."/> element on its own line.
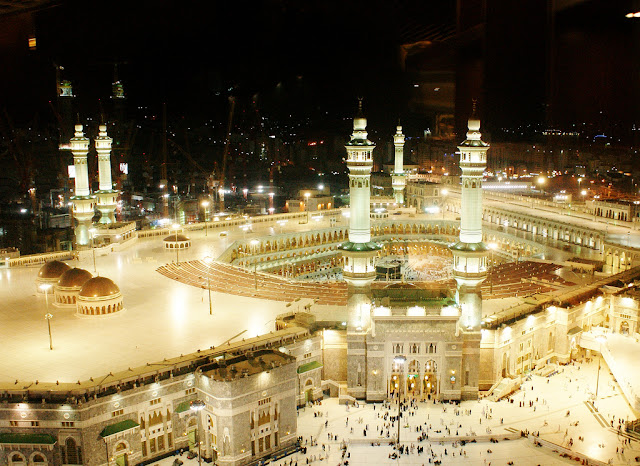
<point x="32" y="43"/>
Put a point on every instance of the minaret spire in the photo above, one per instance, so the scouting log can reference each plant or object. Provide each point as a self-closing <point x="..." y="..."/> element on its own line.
<point x="470" y="253"/>
<point x="106" y="195"/>
<point x="83" y="201"/>
<point x="359" y="253"/>
<point x="398" y="179"/>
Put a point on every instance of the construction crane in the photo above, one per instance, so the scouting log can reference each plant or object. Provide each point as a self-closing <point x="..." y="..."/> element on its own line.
<point x="225" y="154"/>
<point x="164" y="180"/>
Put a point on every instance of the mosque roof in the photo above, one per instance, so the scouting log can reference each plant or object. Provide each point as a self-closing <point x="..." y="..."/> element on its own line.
<point x="473" y="143"/>
<point x="53" y="269"/>
<point x="118" y="427"/>
<point x="469" y="247"/>
<point x="360" y="247"/>
<point x="99" y="287"/>
<point x="359" y="142"/>
<point x="176" y="238"/>
<point x="74" y="277"/>
<point x="23" y="439"/>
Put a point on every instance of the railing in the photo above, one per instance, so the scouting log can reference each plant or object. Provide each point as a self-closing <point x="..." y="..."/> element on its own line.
<point x="37" y="259"/>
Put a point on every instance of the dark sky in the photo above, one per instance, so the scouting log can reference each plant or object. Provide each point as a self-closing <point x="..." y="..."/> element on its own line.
<point x="328" y="51"/>
<point x="307" y="57"/>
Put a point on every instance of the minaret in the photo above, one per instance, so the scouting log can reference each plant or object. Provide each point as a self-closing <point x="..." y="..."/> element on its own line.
<point x="65" y="105"/>
<point x="107" y="196"/>
<point x="398" y="177"/>
<point x="83" y="201"/>
<point x="470" y="254"/>
<point x="359" y="254"/>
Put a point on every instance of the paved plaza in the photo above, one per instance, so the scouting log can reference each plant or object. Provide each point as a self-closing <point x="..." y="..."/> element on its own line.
<point x="540" y="406"/>
<point x="163" y="318"/>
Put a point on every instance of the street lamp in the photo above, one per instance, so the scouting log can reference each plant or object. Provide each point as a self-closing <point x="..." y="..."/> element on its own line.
<point x="254" y="246"/>
<point x="444" y="193"/>
<point x="492" y="247"/>
<point x="48" y="316"/>
<point x="176" y="226"/>
<point x="92" y="232"/>
<point x="399" y="360"/>
<point x="306" y="204"/>
<point x="45" y="287"/>
<point x="205" y="204"/>
<point x="197" y="406"/>
<point x="208" y="261"/>
<point x="600" y="339"/>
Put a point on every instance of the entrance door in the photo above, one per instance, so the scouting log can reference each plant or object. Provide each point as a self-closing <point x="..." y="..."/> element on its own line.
<point x="122" y="460"/>
<point x="430" y="385"/>
<point x="624" y="328"/>
<point x="308" y="395"/>
<point x="192" y="439"/>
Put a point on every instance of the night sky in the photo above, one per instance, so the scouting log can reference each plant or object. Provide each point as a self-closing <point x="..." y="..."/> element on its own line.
<point x="311" y="56"/>
<point x="307" y="58"/>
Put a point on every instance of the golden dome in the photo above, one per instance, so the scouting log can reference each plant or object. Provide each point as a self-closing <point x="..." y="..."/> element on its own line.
<point x="53" y="269"/>
<point x="179" y="238"/>
<point x="74" y="278"/>
<point x="99" y="287"/>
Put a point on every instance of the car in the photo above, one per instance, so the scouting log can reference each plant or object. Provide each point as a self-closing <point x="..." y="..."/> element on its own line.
<point x="224" y="233"/>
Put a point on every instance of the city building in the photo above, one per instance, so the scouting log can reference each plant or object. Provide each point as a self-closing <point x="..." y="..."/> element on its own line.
<point x="247" y="392"/>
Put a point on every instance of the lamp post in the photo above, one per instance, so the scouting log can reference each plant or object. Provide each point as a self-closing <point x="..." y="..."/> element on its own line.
<point x="48" y="316"/>
<point x="254" y="247"/>
<point x="205" y="204"/>
<point x="492" y="247"/>
<point x="176" y="226"/>
<point x="208" y="260"/>
<point x="399" y="360"/>
<point x="600" y="339"/>
<point x="444" y="193"/>
<point x="92" y="232"/>
<point x="45" y="287"/>
<point x="197" y="406"/>
<point x="306" y="204"/>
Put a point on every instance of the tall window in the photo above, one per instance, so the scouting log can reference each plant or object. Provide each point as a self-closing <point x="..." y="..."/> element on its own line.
<point x="71" y="452"/>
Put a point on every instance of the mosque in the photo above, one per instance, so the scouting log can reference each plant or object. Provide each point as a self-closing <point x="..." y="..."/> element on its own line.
<point x="224" y="335"/>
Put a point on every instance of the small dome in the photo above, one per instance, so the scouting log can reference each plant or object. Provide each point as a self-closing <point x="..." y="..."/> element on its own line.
<point x="53" y="269"/>
<point x="178" y="238"/>
<point x="74" y="278"/>
<point x="99" y="287"/>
